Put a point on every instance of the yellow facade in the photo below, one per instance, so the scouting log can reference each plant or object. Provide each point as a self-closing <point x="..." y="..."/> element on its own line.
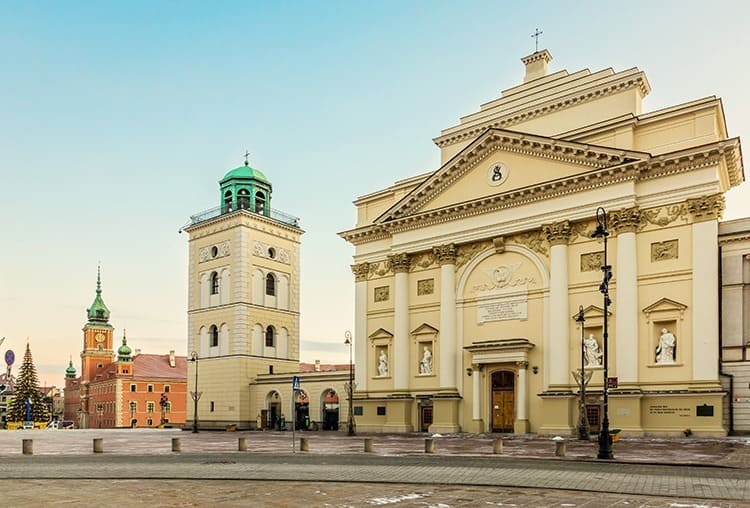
<point x="468" y="278"/>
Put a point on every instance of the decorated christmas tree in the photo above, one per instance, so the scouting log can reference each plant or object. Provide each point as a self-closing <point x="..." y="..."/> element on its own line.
<point x="26" y="393"/>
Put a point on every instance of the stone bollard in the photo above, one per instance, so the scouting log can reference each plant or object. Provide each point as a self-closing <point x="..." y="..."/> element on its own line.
<point x="98" y="445"/>
<point x="303" y="446"/>
<point x="242" y="444"/>
<point x="368" y="445"/>
<point x="28" y="446"/>
<point x="497" y="448"/>
<point x="429" y="445"/>
<point x="560" y="447"/>
<point x="176" y="444"/>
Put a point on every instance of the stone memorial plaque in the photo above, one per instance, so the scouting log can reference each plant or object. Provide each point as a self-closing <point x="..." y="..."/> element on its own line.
<point x="502" y="310"/>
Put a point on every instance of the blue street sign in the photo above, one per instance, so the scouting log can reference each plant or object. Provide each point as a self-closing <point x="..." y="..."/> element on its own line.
<point x="10" y="357"/>
<point x="295" y="383"/>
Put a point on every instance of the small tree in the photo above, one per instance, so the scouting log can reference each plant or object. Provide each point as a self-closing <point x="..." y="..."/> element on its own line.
<point x="27" y="388"/>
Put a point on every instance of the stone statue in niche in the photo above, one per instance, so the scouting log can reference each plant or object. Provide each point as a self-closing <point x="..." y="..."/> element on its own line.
<point x="592" y="352"/>
<point x="667" y="347"/>
<point x="425" y="366"/>
<point x="382" y="364"/>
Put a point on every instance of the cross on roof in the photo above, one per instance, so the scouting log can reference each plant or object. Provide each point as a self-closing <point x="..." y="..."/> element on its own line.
<point x="536" y="35"/>
<point x="247" y="154"/>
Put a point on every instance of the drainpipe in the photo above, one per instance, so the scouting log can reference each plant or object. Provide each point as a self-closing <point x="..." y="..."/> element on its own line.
<point x="721" y="351"/>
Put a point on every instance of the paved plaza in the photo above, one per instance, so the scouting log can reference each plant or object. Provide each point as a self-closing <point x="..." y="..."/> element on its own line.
<point x="463" y="471"/>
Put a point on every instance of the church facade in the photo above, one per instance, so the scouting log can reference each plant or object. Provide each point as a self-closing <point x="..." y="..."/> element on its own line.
<point x="471" y="280"/>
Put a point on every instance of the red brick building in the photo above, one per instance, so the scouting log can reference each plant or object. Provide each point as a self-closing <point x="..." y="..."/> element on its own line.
<point x="125" y="389"/>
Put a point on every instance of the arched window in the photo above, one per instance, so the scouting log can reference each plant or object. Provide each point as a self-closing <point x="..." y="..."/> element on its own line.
<point x="270" y="336"/>
<point x="270" y="285"/>
<point x="228" y="201"/>
<point x="213" y="336"/>
<point x="243" y="199"/>
<point x="214" y="283"/>
<point x="260" y="202"/>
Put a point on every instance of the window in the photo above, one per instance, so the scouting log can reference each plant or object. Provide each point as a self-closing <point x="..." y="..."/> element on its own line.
<point x="167" y="407"/>
<point x="133" y="388"/>
<point x="150" y="388"/>
<point x="166" y="388"/>
<point x="270" y="337"/>
<point x="272" y="253"/>
<point x="214" y="283"/>
<point x="270" y="285"/>
<point x="228" y="201"/>
<point x="213" y="336"/>
<point x="149" y="422"/>
<point x="260" y="202"/>
<point x="212" y="406"/>
<point x="243" y="199"/>
<point x="150" y="406"/>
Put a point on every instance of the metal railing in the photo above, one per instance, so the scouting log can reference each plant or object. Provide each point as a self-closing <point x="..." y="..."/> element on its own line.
<point x="277" y="215"/>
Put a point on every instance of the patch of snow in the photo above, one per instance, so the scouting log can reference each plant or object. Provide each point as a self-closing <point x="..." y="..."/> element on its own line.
<point x="680" y="505"/>
<point x="437" y="435"/>
<point x="558" y="438"/>
<point x="379" y="501"/>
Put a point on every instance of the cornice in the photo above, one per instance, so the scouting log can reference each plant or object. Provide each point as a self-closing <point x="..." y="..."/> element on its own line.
<point x="220" y="223"/>
<point x="660" y="166"/>
<point x="597" y="92"/>
<point x="585" y="155"/>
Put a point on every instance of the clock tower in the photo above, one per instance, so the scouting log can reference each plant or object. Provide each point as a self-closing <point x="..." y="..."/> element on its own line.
<point x="97" y="335"/>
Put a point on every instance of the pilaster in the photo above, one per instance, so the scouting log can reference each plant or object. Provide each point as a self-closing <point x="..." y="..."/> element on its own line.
<point x="400" y="263"/>
<point x="558" y="235"/>
<point x="446" y="256"/>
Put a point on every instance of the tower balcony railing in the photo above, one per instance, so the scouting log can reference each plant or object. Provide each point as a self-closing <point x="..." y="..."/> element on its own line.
<point x="277" y="215"/>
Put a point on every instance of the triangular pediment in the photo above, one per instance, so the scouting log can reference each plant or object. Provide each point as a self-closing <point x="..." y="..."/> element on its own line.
<point x="500" y="162"/>
<point x="381" y="333"/>
<point x="591" y="312"/>
<point x="664" y="305"/>
<point x="424" y="329"/>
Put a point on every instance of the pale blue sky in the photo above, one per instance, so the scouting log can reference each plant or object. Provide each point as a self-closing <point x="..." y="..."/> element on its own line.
<point x="117" y="121"/>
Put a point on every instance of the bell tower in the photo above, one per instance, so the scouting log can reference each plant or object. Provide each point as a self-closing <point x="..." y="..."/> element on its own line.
<point x="243" y="298"/>
<point x="97" y="335"/>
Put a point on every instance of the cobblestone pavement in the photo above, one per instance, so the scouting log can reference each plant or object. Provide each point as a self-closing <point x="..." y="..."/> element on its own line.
<point x="463" y="471"/>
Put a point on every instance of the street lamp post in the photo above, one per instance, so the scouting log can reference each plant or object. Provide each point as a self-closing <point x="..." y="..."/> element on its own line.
<point x="195" y="394"/>
<point x="583" y="421"/>
<point x="605" y="440"/>
<point x="350" y="385"/>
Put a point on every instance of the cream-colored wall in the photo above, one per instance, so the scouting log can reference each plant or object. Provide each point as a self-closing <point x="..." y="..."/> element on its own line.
<point x="522" y="171"/>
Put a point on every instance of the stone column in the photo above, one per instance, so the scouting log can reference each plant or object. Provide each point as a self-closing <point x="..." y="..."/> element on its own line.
<point x="521" y="425"/>
<point x="446" y="256"/>
<point x="361" y="271"/>
<point x="557" y="343"/>
<point x="706" y="212"/>
<point x="399" y="368"/>
<point x="625" y="223"/>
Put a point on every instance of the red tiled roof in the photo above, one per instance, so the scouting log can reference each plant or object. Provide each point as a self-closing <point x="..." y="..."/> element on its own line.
<point x="157" y="366"/>
<point x="324" y="367"/>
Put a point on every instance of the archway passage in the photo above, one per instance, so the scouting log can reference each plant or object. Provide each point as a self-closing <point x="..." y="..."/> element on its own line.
<point x="330" y="410"/>
<point x="503" y="401"/>
<point x="301" y="411"/>
<point x="271" y="416"/>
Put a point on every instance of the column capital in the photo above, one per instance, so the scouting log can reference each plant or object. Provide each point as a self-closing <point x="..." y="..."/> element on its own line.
<point x="446" y="254"/>
<point x="360" y="271"/>
<point x="522" y="365"/>
<point x="706" y="208"/>
<point x="557" y="233"/>
<point x="626" y="220"/>
<point x="400" y="263"/>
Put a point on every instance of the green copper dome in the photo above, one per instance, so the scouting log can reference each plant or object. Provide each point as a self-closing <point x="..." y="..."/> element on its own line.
<point x="98" y="312"/>
<point x="245" y="172"/>
<point x="124" y="351"/>
<point x="70" y="372"/>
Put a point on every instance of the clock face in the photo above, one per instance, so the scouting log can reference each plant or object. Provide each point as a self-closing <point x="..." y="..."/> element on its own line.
<point x="99" y="337"/>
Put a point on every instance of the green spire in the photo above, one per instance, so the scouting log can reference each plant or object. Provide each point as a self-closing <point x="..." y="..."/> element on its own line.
<point x="123" y="352"/>
<point x="98" y="312"/>
<point x="70" y="372"/>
